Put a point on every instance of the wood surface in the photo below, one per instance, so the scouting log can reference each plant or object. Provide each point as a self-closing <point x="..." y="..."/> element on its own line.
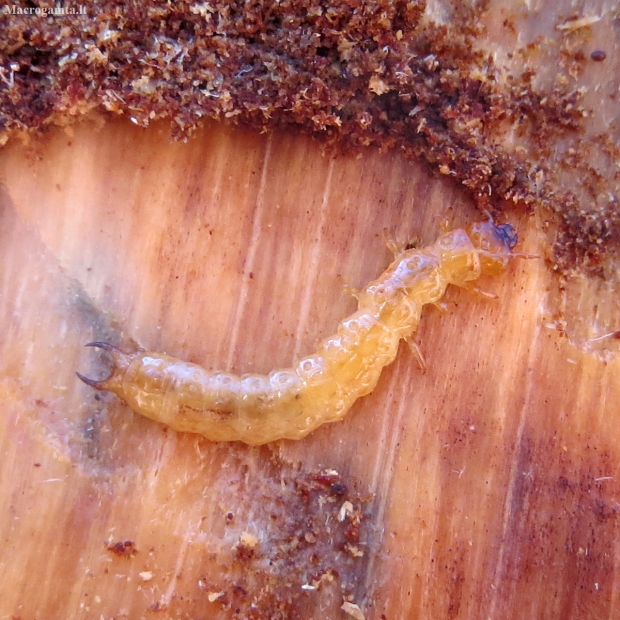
<point x="486" y="487"/>
<point x="481" y="481"/>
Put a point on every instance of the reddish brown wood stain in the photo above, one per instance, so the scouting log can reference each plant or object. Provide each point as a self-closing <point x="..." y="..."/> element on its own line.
<point x="490" y="480"/>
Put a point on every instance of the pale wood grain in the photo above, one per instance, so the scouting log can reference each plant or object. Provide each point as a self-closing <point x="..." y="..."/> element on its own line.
<point x="491" y="481"/>
<point x="491" y="474"/>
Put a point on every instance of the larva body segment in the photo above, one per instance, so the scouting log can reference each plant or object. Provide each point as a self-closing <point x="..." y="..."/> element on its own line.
<point x="320" y="388"/>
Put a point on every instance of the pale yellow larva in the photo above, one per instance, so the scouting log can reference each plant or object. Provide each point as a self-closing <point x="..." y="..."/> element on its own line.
<point x="320" y="388"/>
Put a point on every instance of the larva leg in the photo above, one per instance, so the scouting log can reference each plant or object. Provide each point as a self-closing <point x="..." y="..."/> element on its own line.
<point x="350" y="290"/>
<point x="394" y="246"/>
<point x="476" y="290"/>
<point x="444" y="226"/>
<point x="413" y="243"/>
<point x="414" y="347"/>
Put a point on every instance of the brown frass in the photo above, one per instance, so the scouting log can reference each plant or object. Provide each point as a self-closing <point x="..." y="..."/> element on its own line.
<point x="353" y="72"/>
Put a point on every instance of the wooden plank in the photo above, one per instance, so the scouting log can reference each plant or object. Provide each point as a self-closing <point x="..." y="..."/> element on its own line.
<point x="487" y="485"/>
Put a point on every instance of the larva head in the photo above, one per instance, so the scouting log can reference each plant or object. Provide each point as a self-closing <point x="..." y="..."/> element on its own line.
<point x="494" y="244"/>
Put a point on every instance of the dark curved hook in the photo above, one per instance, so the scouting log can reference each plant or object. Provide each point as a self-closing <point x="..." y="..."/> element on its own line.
<point x="99" y="384"/>
<point x="91" y="382"/>
<point x="102" y="345"/>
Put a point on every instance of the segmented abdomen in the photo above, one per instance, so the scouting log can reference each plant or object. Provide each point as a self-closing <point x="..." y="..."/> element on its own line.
<point x="287" y="403"/>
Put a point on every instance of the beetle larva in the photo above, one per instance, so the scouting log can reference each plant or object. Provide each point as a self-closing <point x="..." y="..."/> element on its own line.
<point x="320" y="388"/>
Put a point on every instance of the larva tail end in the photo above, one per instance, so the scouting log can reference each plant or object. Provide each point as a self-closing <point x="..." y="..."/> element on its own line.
<point x="120" y="361"/>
